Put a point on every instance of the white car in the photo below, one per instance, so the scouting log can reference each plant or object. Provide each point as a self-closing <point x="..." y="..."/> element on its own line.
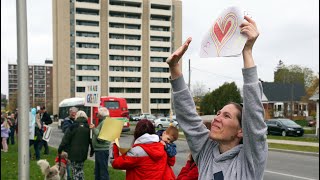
<point x="165" y="122"/>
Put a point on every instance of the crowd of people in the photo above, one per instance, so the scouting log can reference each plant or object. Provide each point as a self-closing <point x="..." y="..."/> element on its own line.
<point x="9" y="129"/>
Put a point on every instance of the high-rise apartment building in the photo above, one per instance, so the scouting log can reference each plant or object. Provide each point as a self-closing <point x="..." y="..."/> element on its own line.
<point x="123" y="44"/>
<point x="40" y="84"/>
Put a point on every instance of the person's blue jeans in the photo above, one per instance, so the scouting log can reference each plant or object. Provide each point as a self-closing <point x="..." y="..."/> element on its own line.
<point x="69" y="176"/>
<point x="101" y="165"/>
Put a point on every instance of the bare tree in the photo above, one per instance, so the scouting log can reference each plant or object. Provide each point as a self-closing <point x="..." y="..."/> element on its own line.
<point x="199" y="89"/>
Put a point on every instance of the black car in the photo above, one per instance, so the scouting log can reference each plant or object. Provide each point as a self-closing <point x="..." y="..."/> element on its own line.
<point x="284" y="127"/>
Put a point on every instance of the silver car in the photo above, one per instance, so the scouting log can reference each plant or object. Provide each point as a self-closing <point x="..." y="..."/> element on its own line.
<point x="165" y="122"/>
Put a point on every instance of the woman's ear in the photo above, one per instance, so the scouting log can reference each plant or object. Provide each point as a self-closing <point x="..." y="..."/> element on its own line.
<point x="240" y="134"/>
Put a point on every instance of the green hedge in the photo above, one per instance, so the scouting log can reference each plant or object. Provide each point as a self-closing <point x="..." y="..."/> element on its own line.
<point x="303" y="123"/>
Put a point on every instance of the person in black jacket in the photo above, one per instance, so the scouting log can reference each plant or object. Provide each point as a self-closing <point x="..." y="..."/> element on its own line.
<point x="45" y="119"/>
<point x="76" y="142"/>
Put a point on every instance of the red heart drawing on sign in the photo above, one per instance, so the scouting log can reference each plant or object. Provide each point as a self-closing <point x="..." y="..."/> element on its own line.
<point x="221" y="33"/>
<point x="223" y="30"/>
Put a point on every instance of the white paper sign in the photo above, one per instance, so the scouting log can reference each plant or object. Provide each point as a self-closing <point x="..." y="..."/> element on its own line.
<point x="92" y="96"/>
<point x="223" y="38"/>
<point x="47" y="133"/>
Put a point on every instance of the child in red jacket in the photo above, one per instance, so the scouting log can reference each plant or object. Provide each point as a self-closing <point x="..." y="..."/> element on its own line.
<point x="167" y="137"/>
<point x="189" y="171"/>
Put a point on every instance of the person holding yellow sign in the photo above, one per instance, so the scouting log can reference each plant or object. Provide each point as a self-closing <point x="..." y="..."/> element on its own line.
<point x="101" y="147"/>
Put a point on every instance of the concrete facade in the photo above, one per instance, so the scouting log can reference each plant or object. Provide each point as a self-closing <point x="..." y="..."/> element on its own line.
<point x="121" y="44"/>
<point x="40" y="84"/>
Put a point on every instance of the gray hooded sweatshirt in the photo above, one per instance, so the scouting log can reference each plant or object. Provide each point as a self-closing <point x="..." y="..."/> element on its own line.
<point x="245" y="161"/>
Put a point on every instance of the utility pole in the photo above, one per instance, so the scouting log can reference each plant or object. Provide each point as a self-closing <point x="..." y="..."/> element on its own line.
<point x="189" y="76"/>
<point x="23" y="93"/>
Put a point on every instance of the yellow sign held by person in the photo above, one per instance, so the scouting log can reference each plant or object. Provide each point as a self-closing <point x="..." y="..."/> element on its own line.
<point x="111" y="129"/>
<point x="121" y="150"/>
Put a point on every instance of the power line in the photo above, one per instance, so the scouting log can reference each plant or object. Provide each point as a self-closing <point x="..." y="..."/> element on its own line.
<point x="227" y="77"/>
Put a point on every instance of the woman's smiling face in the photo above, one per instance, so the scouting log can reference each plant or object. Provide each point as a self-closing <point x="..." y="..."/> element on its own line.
<point x="225" y="126"/>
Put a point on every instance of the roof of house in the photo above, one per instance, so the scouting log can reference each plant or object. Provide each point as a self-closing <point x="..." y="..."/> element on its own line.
<point x="283" y="92"/>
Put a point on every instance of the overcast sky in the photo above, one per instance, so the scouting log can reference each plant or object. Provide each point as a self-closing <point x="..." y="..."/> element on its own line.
<point x="289" y="30"/>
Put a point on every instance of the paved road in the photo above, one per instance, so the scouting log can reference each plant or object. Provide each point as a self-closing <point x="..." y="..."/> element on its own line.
<point x="281" y="165"/>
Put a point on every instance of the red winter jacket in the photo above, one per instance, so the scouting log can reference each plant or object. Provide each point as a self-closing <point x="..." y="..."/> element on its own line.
<point x="146" y="160"/>
<point x="189" y="172"/>
<point x="169" y="174"/>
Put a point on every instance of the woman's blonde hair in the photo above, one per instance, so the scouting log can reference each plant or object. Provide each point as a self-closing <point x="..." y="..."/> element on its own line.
<point x="6" y="124"/>
<point x="81" y="114"/>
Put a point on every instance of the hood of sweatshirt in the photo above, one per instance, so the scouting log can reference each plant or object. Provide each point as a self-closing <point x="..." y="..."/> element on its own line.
<point x="151" y="145"/>
<point x="226" y="155"/>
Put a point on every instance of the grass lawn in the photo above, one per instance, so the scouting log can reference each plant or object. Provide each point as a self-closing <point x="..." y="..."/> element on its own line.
<point x="294" y="147"/>
<point x="304" y="139"/>
<point x="9" y="165"/>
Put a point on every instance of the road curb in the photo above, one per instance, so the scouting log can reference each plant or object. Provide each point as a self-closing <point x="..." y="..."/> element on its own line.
<point x="295" y="152"/>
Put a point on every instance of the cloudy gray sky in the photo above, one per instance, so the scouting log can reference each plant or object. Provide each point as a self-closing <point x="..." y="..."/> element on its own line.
<point x="289" y="30"/>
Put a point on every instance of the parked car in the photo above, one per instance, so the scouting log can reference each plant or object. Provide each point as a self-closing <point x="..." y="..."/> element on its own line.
<point x="134" y="117"/>
<point x="165" y="122"/>
<point x="312" y="123"/>
<point x="284" y="127"/>
<point x="147" y="116"/>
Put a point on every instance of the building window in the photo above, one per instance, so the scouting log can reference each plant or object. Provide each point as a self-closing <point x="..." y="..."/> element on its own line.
<point x="159" y="28"/>
<point x="159" y="69"/>
<point x="88" y="67"/>
<point x="163" y="39"/>
<point x="160" y="6"/>
<point x="87" y="56"/>
<point x="133" y="48"/>
<point x="89" y="1"/>
<point x="87" y="78"/>
<point x="118" y="47"/>
<point x="116" y="90"/>
<point x="87" y="23"/>
<point x="158" y="59"/>
<point x="133" y="79"/>
<point x="160" y="18"/>
<point x="133" y="101"/>
<point x="160" y="90"/>
<point x="133" y="90"/>
<point x="160" y="101"/>
<point x="116" y="25"/>
<point x="160" y="49"/>
<point x="116" y="36"/>
<point x="133" y="58"/>
<point x="116" y="79"/>
<point x="88" y="45"/>
<point x="132" y="26"/>
<point x="87" y="11"/>
<point x="159" y="80"/>
<point x="81" y="89"/>
<point x="87" y="34"/>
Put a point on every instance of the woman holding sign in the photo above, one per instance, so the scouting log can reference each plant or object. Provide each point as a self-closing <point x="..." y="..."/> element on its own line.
<point x="147" y="158"/>
<point x="235" y="148"/>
